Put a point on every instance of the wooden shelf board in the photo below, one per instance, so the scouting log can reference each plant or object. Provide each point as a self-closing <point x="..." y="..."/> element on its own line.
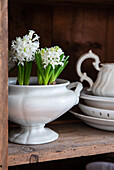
<point x="75" y="139"/>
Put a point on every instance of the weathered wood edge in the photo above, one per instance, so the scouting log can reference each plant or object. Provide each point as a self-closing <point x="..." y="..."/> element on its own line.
<point x="35" y="157"/>
<point x="72" y="146"/>
<point x="3" y="83"/>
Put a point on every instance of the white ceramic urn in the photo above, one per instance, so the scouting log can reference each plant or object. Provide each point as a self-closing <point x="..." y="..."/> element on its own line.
<point x="34" y="106"/>
<point x="104" y="84"/>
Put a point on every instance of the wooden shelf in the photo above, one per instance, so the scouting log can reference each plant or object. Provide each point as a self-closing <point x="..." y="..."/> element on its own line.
<point x="75" y="139"/>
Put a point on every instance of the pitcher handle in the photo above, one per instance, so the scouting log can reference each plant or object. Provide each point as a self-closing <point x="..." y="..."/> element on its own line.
<point x="83" y="76"/>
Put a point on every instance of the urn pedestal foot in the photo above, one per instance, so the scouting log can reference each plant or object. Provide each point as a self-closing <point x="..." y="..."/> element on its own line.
<point x="32" y="135"/>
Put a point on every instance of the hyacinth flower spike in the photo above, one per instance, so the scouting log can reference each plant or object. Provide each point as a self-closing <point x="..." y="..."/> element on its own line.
<point x="50" y="63"/>
<point x="23" y="53"/>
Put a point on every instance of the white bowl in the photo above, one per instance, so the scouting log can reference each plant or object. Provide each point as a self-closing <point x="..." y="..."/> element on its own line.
<point x="100" y="166"/>
<point x="103" y="124"/>
<point x="96" y="112"/>
<point x="97" y="101"/>
<point x="34" y="106"/>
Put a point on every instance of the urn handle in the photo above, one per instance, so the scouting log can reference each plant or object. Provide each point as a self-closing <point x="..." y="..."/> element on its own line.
<point x="83" y="76"/>
<point x="78" y="87"/>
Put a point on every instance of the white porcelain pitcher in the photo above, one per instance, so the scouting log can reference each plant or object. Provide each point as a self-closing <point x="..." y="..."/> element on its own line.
<point x="104" y="85"/>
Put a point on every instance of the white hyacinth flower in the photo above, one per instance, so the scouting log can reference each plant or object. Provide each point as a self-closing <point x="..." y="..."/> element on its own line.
<point x="52" y="56"/>
<point x="24" y="49"/>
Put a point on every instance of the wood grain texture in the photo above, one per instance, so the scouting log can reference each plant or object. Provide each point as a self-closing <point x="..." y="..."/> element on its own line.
<point x="110" y="37"/>
<point x="67" y="164"/>
<point x="36" y="17"/>
<point x="75" y="140"/>
<point x="77" y="30"/>
<point x="3" y="84"/>
<point x="33" y="17"/>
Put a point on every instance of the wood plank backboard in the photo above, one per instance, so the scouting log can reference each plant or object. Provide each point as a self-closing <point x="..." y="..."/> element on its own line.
<point x="76" y="29"/>
<point x="3" y="84"/>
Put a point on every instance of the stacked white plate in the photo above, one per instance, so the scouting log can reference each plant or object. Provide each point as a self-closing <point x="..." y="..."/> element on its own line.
<point x="97" y="111"/>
